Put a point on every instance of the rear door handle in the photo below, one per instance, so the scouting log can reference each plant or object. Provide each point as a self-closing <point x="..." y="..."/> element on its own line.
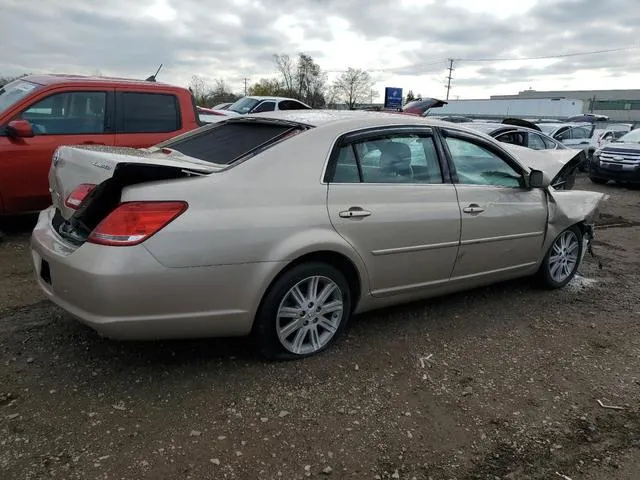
<point x="354" y="212"/>
<point x="89" y="142"/>
<point x="473" y="209"/>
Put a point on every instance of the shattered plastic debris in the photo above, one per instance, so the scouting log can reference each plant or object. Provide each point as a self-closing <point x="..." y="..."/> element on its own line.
<point x="580" y="283"/>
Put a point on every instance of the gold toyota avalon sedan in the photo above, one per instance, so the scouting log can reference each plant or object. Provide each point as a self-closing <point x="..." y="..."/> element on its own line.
<point x="282" y="225"/>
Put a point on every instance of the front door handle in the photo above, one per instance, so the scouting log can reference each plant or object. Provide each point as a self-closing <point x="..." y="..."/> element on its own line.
<point x="354" y="212"/>
<point x="90" y="142"/>
<point x="473" y="209"/>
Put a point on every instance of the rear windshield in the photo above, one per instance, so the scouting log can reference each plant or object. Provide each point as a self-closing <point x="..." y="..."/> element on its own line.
<point x="228" y="142"/>
<point x="15" y="91"/>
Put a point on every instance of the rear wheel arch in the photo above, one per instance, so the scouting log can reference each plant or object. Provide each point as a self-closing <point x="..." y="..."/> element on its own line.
<point x="340" y="261"/>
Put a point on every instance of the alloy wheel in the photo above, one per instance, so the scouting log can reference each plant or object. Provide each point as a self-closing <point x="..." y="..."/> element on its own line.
<point x="564" y="256"/>
<point x="310" y="315"/>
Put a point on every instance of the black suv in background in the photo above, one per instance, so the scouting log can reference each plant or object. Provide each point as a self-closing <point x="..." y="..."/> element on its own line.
<point x="618" y="160"/>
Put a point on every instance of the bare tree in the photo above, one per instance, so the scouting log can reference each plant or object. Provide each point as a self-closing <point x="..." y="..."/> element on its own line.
<point x="285" y="68"/>
<point x="353" y="87"/>
<point x="200" y="89"/>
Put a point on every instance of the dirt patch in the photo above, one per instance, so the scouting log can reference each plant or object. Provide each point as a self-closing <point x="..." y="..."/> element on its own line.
<point x="499" y="382"/>
<point x="580" y="444"/>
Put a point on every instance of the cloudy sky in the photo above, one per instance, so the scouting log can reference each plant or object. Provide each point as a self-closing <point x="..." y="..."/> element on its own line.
<point x="402" y="43"/>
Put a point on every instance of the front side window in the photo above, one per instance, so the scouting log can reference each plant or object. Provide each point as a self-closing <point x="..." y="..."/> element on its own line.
<point x="580" y="133"/>
<point x="69" y="113"/>
<point x="265" y="107"/>
<point x="402" y="158"/>
<point x="563" y="134"/>
<point x="149" y="113"/>
<point x="536" y="142"/>
<point x="476" y="165"/>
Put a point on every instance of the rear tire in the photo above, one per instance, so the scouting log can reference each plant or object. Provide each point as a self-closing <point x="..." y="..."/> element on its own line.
<point x="599" y="181"/>
<point x="562" y="261"/>
<point x="304" y="311"/>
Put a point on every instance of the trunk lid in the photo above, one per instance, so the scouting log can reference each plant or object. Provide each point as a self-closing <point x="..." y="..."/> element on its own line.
<point x="74" y="165"/>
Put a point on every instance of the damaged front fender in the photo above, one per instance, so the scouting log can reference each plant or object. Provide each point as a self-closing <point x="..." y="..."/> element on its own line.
<point x="575" y="207"/>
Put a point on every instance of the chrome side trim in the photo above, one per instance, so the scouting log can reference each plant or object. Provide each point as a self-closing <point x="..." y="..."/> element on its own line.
<point x="415" y="248"/>
<point x="500" y="238"/>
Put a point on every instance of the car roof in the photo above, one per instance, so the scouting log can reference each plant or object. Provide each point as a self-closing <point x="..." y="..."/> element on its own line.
<point x="492" y="127"/>
<point x="352" y="118"/>
<point x="264" y="97"/>
<point x="53" y="79"/>
<point x="567" y="124"/>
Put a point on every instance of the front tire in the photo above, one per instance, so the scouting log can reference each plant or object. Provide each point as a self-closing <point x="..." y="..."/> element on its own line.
<point x="303" y="312"/>
<point x="561" y="262"/>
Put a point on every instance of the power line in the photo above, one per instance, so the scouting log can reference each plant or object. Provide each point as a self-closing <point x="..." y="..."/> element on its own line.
<point x="391" y="69"/>
<point x="548" y="57"/>
<point x="496" y="59"/>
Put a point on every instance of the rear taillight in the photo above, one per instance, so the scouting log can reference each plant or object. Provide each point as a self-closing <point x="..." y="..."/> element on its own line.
<point x="75" y="198"/>
<point x="132" y="223"/>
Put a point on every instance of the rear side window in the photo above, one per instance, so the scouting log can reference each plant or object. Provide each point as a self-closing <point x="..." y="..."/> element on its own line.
<point x="149" y="113"/>
<point x="226" y="143"/>
<point x="397" y="158"/>
<point x="291" y="105"/>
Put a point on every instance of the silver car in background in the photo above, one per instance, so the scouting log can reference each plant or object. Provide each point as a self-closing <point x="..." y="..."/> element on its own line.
<point x="283" y="225"/>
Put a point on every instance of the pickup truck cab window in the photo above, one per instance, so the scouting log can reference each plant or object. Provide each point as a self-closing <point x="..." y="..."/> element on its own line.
<point x="68" y="113"/>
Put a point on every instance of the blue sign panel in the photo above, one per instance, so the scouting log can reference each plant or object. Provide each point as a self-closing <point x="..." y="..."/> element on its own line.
<point x="392" y="97"/>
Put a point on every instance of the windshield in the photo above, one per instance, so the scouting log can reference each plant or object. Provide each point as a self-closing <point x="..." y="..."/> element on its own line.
<point x="244" y="105"/>
<point x="13" y="92"/>
<point x="631" y="137"/>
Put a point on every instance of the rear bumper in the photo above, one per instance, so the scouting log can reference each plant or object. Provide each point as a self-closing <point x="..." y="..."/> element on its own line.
<point x="125" y="293"/>
<point x="622" y="175"/>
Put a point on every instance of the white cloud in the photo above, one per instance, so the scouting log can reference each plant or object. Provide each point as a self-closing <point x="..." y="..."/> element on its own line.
<point x="403" y="44"/>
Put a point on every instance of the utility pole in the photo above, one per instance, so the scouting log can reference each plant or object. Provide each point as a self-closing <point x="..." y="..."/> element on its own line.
<point x="245" y="86"/>
<point x="450" y="77"/>
<point x="371" y="93"/>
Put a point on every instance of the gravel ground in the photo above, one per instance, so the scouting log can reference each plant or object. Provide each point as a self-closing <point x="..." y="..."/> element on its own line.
<point x="496" y="383"/>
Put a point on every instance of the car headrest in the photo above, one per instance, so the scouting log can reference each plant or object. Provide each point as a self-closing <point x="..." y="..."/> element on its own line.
<point x="395" y="157"/>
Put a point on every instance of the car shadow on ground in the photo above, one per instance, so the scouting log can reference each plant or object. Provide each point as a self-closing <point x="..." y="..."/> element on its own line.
<point x="17" y="225"/>
<point x="78" y="343"/>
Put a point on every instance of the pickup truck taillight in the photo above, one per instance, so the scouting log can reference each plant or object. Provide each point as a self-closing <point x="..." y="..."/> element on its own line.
<point x="132" y="223"/>
<point x="77" y="196"/>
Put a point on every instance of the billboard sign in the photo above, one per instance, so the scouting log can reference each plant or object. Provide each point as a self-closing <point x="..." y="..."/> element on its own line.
<point x="393" y="98"/>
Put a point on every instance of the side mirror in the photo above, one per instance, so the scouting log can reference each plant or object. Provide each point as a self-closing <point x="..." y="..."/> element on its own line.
<point x="20" y="129"/>
<point x="538" y="179"/>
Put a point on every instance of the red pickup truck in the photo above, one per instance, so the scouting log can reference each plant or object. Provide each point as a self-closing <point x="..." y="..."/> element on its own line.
<point x="38" y="113"/>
